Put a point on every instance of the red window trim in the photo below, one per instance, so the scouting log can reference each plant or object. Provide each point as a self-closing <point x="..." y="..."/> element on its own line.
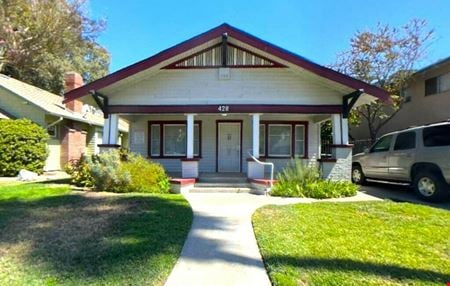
<point x="161" y="138"/>
<point x="266" y="124"/>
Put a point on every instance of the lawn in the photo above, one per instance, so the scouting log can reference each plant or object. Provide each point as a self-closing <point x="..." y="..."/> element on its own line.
<point x="370" y="243"/>
<point x="51" y="236"/>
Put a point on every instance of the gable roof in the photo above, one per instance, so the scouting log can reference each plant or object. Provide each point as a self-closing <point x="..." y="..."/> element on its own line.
<point x="240" y="36"/>
<point x="47" y="101"/>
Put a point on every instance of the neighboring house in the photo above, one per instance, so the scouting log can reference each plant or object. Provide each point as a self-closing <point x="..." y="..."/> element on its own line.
<point x="427" y="100"/>
<point x="74" y="129"/>
<point x="208" y="103"/>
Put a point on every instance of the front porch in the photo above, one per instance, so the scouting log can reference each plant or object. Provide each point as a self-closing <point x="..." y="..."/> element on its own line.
<point x="195" y="144"/>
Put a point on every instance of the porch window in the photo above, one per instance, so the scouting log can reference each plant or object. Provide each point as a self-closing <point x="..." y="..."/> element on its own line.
<point x="299" y="140"/>
<point x="280" y="140"/>
<point x="262" y="140"/>
<point x="172" y="136"/>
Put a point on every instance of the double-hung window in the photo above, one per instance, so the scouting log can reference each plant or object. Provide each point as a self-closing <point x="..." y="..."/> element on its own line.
<point x="169" y="139"/>
<point x="282" y="139"/>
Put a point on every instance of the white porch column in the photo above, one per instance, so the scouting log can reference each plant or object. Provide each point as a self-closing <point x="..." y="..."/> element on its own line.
<point x="190" y="136"/>
<point x="254" y="169"/>
<point x="255" y="121"/>
<point x="344" y="122"/>
<point x="337" y="128"/>
<point x="189" y="165"/>
<point x="110" y="133"/>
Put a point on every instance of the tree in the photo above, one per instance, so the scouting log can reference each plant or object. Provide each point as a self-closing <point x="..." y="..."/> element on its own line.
<point x="386" y="58"/>
<point x="40" y="40"/>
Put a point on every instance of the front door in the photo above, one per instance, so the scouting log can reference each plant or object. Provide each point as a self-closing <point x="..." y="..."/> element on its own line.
<point x="229" y="147"/>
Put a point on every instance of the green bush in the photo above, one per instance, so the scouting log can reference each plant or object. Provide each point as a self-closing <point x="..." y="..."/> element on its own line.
<point x="300" y="180"/>
<point x="23" y="145"/>
<point x="119" y="172"/>
<point x="80" y="172"/>
<point x="146" y="177"/>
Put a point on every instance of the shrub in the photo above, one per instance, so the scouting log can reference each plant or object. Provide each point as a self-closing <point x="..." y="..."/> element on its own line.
<point x="146" y="177"/>
<point x="300" y="180"/>
<point x="119" y="171"/>
<point x="23" y="145"/>
<point x="80" y="172"/>
<point x="105" y="170"/>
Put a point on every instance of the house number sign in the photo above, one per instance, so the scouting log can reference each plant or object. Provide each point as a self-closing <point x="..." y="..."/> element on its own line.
<point x="223" y="108"/>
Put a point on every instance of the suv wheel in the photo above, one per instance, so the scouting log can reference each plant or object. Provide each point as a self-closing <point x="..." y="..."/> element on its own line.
<point x="428" y="186"/>
<point x="358" y="175"/>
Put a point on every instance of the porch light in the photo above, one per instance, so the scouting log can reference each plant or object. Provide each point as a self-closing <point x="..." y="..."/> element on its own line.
<point x="224" y="114"/>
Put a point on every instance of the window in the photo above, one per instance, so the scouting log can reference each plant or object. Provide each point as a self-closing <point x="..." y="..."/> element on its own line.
<point x="405" y="141"/>
<point x="53" y="131"/>
<point x="382" y="145"/>
<point x="262" y="140"/>
<point x="172" y="136"/>
<point x="436" y="136"/>
<point x="437" y="84"/>
<point x="299" y="140"/>
<point x="280" y="140"/>
<point x="155" y="139"/>
<point x="431" y="86"/>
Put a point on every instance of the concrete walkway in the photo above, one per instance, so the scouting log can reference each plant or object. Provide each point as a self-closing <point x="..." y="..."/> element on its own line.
<point x="221" y="247"/>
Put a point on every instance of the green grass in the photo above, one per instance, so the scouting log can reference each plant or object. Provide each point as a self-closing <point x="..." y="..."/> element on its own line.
<point x="51" y="236"/>
<point x="370" y="243"/>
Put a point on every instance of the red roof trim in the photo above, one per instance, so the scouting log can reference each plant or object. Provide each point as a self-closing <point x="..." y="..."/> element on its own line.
<point x="241" y="36"/>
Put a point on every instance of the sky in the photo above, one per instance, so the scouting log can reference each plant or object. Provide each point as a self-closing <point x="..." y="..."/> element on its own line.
<point x="315" y="29"/>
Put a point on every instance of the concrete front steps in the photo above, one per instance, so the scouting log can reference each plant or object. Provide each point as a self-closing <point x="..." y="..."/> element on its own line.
<point x="218" y="183"/>
<point x="221" y="183"/>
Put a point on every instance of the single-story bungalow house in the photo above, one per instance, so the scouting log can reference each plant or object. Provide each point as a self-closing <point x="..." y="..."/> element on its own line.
<point x="74" y="128"/>
<point x="224" y="101"/>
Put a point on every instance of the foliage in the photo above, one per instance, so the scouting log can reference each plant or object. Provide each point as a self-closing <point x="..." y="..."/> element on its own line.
<point x="299" y="180"/>
<point x="363" y="243"/>
<point x="41" y="40"/>
<point x="119" y="171"/>
<point x="80" y="172"/>
<point x="385" y="57"/>
<point x="145" y="177"/>
<point x="105" y="169"/>
<point x="23" y="145"/>
<point x="52" y="236"/>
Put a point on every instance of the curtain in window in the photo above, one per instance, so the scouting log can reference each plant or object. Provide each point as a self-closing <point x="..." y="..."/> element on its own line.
<point x="280" y="140"/>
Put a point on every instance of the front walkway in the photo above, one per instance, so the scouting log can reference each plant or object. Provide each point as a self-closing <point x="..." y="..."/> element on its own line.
<point x="221" y="247"/>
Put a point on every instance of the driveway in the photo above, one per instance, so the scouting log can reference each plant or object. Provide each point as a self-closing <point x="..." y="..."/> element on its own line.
<point x="221" y="247"/>
<point x="399" y="193"/>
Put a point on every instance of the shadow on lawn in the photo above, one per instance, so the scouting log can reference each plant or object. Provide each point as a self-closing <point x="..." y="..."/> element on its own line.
<point x="92" y="236"/>
<point x="391" y="271"/>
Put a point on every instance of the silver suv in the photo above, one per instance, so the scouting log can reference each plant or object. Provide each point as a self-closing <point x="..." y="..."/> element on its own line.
<point x="417" y="155"/>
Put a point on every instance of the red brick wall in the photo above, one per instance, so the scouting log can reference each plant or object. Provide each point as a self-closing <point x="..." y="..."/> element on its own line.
<point x="73" y="80"/>
<point x="73" y="143"/>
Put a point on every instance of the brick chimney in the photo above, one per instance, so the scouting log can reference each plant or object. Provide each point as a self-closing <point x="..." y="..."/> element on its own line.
<point x="73" y="80"/>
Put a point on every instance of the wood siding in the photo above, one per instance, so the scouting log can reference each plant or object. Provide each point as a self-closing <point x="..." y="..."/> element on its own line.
<point x="245" y="86"/>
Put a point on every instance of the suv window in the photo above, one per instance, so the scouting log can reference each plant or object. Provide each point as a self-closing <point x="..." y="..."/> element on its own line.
<point x="436" y="136"/>
<point x="405" y="141"/>
<point x="382" y="144"/>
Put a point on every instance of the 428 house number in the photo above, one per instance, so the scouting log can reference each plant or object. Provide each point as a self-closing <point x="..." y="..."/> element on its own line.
<point x="223" y="108"/>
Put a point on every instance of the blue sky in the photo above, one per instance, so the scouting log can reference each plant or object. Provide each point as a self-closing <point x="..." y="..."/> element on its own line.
<point x="315" y="29"/>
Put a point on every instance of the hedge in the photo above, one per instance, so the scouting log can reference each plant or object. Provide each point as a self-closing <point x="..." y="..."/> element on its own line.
<point x="23" y="145"/>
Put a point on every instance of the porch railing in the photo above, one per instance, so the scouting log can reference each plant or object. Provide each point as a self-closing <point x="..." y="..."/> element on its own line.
<point x="272" y="166"/>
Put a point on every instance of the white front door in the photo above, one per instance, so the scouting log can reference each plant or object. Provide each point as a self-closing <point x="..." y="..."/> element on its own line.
<point x="229" y="147"/>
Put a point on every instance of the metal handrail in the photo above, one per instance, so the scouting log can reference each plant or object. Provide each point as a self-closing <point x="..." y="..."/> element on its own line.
<point x="272" y="166"/>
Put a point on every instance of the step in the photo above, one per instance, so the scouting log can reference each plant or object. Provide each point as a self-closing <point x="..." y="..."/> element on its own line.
<point x="220" y="190"/>
<point x="222" y="185"/>
<point x="222" y="179"/>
